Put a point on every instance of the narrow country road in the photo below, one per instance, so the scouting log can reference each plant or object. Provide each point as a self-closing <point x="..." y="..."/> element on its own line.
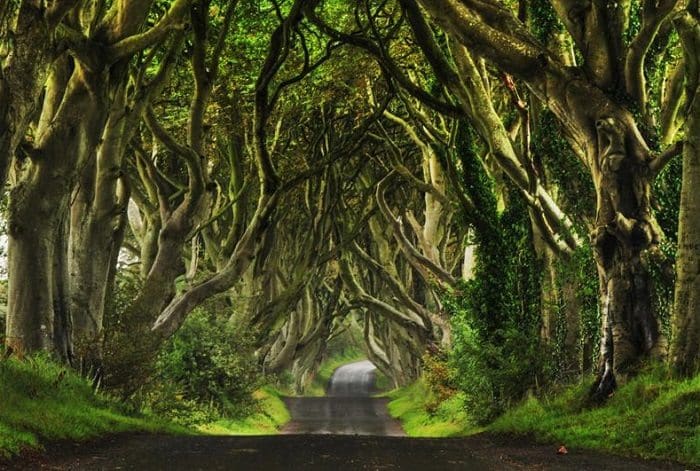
<point x="347" y="430"/>
<point x="347" y="409"/>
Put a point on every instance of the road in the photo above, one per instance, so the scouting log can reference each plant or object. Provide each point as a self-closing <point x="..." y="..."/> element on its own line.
<point x="347" y="409"/>
<point x="348" y="430"/>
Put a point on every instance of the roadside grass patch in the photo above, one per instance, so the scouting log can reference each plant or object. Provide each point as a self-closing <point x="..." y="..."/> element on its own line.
<point x="41" y="401"/>
<point x="422" y="416"/>
<point x="652" y="416"/>
<point x="271" y="415"/>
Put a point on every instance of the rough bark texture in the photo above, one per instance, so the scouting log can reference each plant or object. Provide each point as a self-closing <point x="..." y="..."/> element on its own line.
<point x="625" y="232"/>
<point x="685" y="349"/>
<point x="24" y="71"/>
<point x="38" y="204"/>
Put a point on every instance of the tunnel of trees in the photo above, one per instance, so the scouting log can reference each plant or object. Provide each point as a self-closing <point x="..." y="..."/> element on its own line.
<point x="507" y="187"/>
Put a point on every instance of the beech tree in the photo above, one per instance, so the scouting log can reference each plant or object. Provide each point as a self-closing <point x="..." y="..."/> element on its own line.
<point x="604" y="108"/>
<point x="85" y="82"/>
<point x="685" y="349"/>
<point x="318" y="164"/>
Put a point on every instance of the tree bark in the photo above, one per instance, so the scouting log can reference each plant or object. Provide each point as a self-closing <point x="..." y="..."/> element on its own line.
<point x="97" y="215"/>
<point x="685" y="348"/>
<point x="622" y="166"/>
<point x="38" y="204"/>
<point x="624" y="237"/>
<point x="24" y="71"/>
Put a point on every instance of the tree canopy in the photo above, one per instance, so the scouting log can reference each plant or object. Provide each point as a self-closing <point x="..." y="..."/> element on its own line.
<point x="509" y="186"/>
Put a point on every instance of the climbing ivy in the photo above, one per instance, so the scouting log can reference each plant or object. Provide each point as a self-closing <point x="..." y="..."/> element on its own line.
<point x="497" y="353"/>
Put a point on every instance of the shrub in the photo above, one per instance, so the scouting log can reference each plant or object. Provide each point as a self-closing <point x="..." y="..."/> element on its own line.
<point x="206" y="370"/>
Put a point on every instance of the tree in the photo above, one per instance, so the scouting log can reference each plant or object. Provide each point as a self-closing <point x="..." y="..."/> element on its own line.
<point x="685" y="348"/>
<point x="85" y="82"/>
<point x="596" y="105"/>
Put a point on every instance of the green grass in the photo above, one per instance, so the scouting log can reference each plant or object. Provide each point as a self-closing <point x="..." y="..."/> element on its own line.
<point x="41" y="401"/>
<point x="650" y="417"/>
<point x="267" y="421"/>
<point x="422" y="416"/>
<point x="318" y="386"/>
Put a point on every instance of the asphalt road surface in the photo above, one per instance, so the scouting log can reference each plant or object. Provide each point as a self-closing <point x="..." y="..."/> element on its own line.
<point x="347" y="409"/>
<point x="348" y="430"/>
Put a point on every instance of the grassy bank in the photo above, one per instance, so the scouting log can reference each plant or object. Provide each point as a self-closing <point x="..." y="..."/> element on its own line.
<point x="650" y="417"/>
<point x="272" y="415"/>
<point x="41" y="401"/>
<point x="423" y="416"/>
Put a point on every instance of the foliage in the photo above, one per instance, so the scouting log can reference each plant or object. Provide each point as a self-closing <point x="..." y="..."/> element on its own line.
<point x="421" y="415"/>
<point x="44" y="401"/>
<point x="651" y="416"/>
<point x="545" y="23"/>
<point x="667" y="191"/>
<point x="121" y="333"/>
<point x="207" y="370"/>
<point x="667" y="196"/>
<point x="495" y="316"/>
<point x="579" y="271"/>
<point x="439" y="378"/>
<point x="269" y="414"/>
<point x="565" y="169"/>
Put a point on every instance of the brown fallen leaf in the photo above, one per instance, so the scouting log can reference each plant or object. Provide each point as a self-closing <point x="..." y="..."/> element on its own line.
<point x="562" y="450"/>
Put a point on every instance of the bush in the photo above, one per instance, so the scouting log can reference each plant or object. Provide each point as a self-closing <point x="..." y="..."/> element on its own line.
<point x="439" y="377"/>
<point x="207" y="370"/>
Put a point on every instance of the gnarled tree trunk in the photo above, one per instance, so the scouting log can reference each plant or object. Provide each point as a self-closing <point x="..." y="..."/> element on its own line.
<point x="623" y="240"/>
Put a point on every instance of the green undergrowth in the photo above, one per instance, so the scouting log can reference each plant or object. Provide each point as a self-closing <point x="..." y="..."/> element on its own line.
<point x="271" y="414"/>
<point x="41" y="401"/>
<point x="382" y="382"/>
<point x="649" y="417"/>
<point x="422" y="415"/>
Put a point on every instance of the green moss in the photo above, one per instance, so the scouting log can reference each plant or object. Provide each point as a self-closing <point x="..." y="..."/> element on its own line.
<point x="271" y="415"/>
<point x="651" y="417"/>
<point x="414" y="407"/>
<point x="42" y="401"/>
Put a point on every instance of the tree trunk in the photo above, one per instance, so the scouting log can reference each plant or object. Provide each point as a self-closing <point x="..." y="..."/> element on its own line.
<point x="624" y="237"/>
<point x="33" y="232"/>
<point x="24" y="71"/>
<point x="685" y="349"/>
<point x="38" y="204"/>
<point x="97" y="214"/>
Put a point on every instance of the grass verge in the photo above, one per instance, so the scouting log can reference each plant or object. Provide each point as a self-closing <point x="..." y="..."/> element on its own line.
<point x="41" y="401"/>
<point x="650" y="417"/>
<point x="423" y="416"/>
<point x="272" y="414"/>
